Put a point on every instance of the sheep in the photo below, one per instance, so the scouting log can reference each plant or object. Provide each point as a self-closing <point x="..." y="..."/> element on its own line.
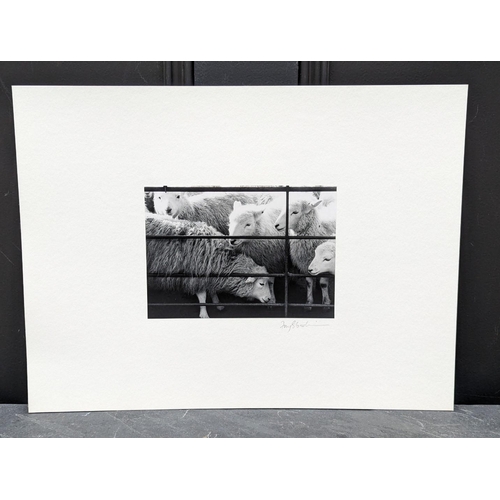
<point x="212" y="208"/>
<point x="200" y="257"/>
<point x="305" y="220"/>
<point x="258" y="220"/>
<point x="324" y="259"/>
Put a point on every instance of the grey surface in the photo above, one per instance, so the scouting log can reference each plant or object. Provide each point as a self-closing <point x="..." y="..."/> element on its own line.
<point x="465" y="421"/>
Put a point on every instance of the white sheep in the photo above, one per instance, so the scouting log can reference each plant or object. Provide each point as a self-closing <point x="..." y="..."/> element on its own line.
<point x="258" y="220"/>
<point x="324" y="259"/>
<point x="305" y="220"/>
<point x="199" y="258"/>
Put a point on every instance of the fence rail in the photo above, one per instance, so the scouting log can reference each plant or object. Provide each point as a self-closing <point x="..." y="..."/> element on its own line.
<point x="238" y="275"/>
<point x="254" y="304"/>
<point x="246" y="189"/>
<point x="226" y="237"/>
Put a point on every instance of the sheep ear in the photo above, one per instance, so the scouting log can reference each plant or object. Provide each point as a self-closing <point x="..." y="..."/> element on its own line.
<point x="313" y="205"/>
<point x="236" y="204"/>
<point x="250" y="279"/>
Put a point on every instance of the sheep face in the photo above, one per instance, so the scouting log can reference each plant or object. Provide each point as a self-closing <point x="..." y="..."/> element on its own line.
<point x="259" y="289"/>
<point x="324" y="259"/>
<point x="169" y="203"/>
<point x="243" y="222"/>
<point x="296" y="210"/>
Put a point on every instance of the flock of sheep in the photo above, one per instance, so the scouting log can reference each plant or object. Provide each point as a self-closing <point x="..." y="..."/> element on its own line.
<point x="239" y="215"/>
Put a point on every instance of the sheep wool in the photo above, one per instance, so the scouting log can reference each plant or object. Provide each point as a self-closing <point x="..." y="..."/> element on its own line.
<point x="199" y="257"/>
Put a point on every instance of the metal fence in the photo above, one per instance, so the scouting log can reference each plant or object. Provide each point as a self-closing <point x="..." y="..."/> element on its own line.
<point x="286" y="274"/>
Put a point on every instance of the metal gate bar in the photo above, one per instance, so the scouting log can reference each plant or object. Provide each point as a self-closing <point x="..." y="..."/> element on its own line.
<point x="287" y="248"/>
<point x="226" y="237"/>
<point x="246" y="189"/>
<point x="253" y="304"/>
<point x="237" y="275"/>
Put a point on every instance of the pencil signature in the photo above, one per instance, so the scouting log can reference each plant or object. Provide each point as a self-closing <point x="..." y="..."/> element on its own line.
<point x="296" y="324"/>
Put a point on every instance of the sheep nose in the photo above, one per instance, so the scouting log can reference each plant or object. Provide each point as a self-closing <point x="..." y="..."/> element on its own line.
<point x="169" y="211"/>
<point x="267" y="299"/>
<point x="233" y="242"/>
<point x="277" y="226"/>
<point x="310" y="269"/>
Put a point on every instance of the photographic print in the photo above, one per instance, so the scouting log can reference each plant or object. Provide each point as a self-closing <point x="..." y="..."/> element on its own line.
<point x="253" y="252"/>
<point x="240" y="247"/>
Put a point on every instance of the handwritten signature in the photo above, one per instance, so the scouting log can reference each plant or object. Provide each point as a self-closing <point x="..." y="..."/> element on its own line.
<point x="296" y="324"/>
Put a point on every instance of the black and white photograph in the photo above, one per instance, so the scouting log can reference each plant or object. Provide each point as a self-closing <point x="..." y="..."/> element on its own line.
<point x="244" y="252"/>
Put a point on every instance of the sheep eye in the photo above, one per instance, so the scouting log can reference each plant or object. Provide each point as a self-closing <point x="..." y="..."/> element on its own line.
<point x="261" y="283"/>
<point x="248" y="225"/>
<point x="328" y="260"/>
<point x="178" y="196"/>
<point x="295" y="213"/>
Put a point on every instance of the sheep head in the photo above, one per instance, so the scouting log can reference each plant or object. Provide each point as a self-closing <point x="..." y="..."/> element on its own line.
<point x="169" y="203"/>
<point x="243" y="221"/>
<point x="259" y="286"/>
<point x="300" y="204"/>
<point x="324" y="259"/>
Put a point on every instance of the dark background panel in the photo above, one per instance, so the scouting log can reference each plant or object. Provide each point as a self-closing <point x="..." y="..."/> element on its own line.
<point x="12" y="339"/>
<point x="246" y="73"/>
<point x="478" y="322"/>
<point x="81" y="73"/>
